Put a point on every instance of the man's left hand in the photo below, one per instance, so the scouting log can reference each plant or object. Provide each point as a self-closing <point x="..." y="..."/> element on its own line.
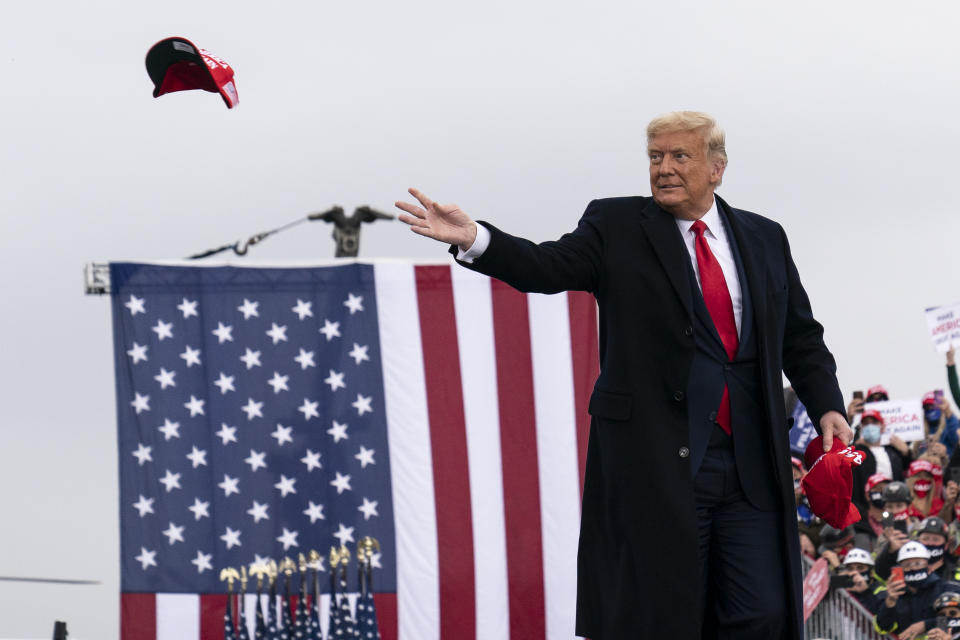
<point x="914" y="630"/>
<point x="833" y="424"/>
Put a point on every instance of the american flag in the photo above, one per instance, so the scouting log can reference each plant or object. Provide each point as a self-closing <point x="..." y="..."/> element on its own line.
<point x="264" y="412"/>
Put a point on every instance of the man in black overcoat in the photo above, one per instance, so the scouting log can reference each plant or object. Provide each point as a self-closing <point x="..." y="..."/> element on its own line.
<point x="688" y="525"/>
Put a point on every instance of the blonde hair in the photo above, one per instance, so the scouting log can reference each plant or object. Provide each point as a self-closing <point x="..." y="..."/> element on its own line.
<point x="713" y="135"/>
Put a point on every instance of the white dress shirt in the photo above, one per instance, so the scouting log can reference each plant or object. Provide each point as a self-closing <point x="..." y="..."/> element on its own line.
<point x="716" y="235"/>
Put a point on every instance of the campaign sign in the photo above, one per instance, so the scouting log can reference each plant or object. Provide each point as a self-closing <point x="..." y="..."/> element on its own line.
<point x="901" y="417"/>
<point x="944" y="323"/>
<point x="815" y="586"/>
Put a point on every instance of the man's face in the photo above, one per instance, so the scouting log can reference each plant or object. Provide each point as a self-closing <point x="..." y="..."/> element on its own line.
<point x="682" y="175"/>
<point x="931" y="539"/>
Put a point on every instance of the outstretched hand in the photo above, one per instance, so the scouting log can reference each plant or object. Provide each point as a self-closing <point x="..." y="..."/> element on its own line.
<point x="444" y="222"/>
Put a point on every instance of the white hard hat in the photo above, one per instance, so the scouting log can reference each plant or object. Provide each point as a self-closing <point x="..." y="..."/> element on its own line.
<point x="859" y="556"/>
<point x="913" y="549"/>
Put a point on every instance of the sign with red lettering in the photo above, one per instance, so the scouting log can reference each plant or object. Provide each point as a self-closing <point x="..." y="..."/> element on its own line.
<point x="944" y="323"/>
<point x="815" y="586"/>
<point x="901" y="417"/>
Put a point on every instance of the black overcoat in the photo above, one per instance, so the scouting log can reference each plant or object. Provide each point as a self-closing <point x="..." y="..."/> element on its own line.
<point x="637" y="561"/>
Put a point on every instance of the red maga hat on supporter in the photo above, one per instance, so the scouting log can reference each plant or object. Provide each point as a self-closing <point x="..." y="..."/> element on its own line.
<point x="872" y="413"/>
<point x="929" y="399"/>
<point x="919" y="465"/>
<point x="176" y="64"/>
<point x="829" y="482"/>
<point x="878" y="388"/>
<point x="876" y="479"/>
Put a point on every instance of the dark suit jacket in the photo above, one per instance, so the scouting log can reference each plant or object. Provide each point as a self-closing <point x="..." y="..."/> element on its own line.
<point x="637" y="563"/>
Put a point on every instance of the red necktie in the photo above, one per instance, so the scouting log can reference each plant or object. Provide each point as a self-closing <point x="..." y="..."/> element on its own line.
<point x="716" y="295"/>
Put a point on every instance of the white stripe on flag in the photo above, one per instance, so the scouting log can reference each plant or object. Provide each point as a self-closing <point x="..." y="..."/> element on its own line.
<point x="478" y="374"/>
<point x="411" y="467"/>
<point x="178" y="616"/>
<point x="557" y="456"/>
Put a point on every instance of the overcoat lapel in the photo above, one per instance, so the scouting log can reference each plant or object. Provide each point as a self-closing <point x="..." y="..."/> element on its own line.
<point x="661" y="229"/>
<point x="754" y="260"/>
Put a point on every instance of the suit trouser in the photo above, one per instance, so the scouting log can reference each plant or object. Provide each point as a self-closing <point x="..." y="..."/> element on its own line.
<point x="741" y="557"/>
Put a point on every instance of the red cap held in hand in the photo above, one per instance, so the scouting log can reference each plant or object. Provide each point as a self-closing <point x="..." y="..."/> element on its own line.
<point x="176" y="64"/>
<point x="829" y="482"/>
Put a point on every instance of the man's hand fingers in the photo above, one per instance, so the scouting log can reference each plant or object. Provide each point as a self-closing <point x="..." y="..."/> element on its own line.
<point x="422" y="197"/>
<point x="413" y="221"/>
<point x="412" y="209"/>
<point x="827" y="439"/>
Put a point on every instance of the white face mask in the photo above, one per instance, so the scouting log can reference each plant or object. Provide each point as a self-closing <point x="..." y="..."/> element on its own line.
<point x="871" y="433"/>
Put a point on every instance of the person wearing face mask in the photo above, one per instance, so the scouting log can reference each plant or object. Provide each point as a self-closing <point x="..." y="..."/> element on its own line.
<point x="887" y="460"/>
<point x="870" y="527"/>
<point x="947" y="605"/>
<point x="896" y="501"/>
<point x="920" y="479"/>
<point x="835" y="543"/>
<point x="859" y="564"/>
<point x="941" y="424"/>
<point x="906" y="604"/>
<point x="808" y="523"/>
<point x="932" y="534"/>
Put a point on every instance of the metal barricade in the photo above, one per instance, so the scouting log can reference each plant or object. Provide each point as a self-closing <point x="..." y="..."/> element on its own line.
<point x="839" y="617"/>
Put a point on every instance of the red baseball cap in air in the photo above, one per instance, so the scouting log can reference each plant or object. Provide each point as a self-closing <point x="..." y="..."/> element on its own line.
<point x="176" y="64"/>
<point x="829" y="482"/>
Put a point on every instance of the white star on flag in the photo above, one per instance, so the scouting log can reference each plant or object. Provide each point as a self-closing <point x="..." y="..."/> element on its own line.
<point x="165" y="378"/>
<point x="278" y="382"/>
<point x="345" y="534"/>
<point x="140" y="403"/>
<point x="303" y="309"/>
<point x="223" y="332"/>
<point x="375" y="561"/>
<point x="314" y="512"/>
<point x="358" y="353"/>
<point x="202" y="561"/>
<point x="227" y="433"/>
<point x="144" y="505"/>
<point x="200" y="509"/>
<point x="146" y="558"/>
<point x="195" y="406"/>
<point x="341" y="482"/>
<point x="282" y="434"/>
<point x="163" y="330"/>
<point x="142" y="454"/>
<point x="288" y="539"/>
<point x="191" y="356"/>
<point x="277" y="333"/>
<point x="248" y="309"/>
<point x="188" y="307"/>
<point x="135" y="305"/>
<point x="354" y="303"/>
<point x="305" y="359"/>
<point x="173" y="533"/>
<point x="251" y="359"/>
<point x="338" y="431"/>
<point x="231" y="538"/>
<point x="138" y="352"/>
<point x="198" y="457"/>
<point x="330" y="330"/>
<point x="225" y="383"/>
<point x="170" y="480"/>
<point x="253" y="409"/>
<point x="309" y="409"/>
<point x="285" y="485"/>
<point x="312" y="460"/>
<point x="362" y="404"/>
<point x="258" y="511"/>
<point x="365" y="457"/>
<point x="368" y="509"/>
<point x="256" y="460"/>
<point x="335" y="380"/>
<point x="229" y="485"/>
<point x="169" y="429"/>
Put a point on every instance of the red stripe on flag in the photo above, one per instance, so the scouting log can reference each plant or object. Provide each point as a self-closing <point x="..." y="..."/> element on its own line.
<point x="518" y="443"/>
<point x="212" y="608"/>
<point x="386" y="604"/>
<point x="138" y="616"/>
<point x="448" y="441"/>
<point x="586" y="365"/>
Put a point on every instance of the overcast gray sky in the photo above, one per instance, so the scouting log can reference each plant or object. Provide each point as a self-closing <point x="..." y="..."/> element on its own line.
<point x="841" y="122"/>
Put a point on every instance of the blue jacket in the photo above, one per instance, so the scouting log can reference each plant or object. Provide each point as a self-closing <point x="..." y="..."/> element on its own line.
<point x="910" y="607"/>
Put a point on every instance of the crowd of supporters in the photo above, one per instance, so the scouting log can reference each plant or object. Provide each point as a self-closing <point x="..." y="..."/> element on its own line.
<point x="900" y="561"/>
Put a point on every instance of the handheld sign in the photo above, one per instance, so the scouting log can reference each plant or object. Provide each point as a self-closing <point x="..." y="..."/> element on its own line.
<point x="944" y="324"/>
<point x="901" y="417"/>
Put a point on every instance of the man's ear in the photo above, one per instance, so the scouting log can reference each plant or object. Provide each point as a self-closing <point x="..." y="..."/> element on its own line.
<point x="716" y="175"/>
